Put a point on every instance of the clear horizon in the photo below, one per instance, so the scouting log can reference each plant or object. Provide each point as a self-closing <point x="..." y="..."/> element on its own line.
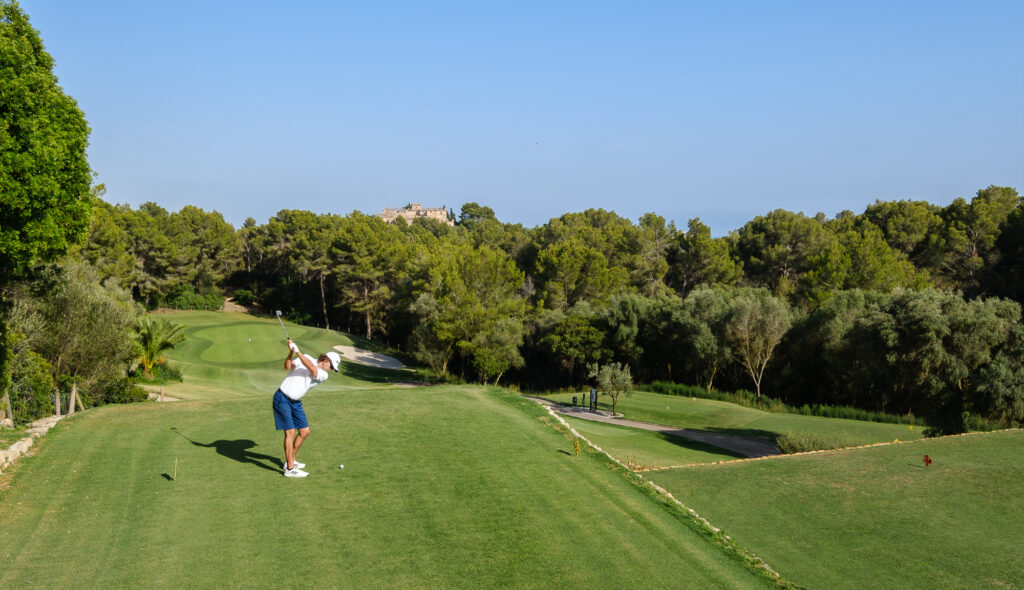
<point x="536" y="110"/>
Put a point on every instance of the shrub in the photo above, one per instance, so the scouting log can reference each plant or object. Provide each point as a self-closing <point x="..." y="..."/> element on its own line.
<point x="185" y="297"/>
<point x="789" y="443"/>
<point x="122" y="390"/>
<point x="160" y="374"/>
<point x="31" y="388"/>
<point x="245" y="297"/>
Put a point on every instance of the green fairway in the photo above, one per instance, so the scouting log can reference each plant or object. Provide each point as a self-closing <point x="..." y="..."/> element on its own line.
<point x="643" y="449"/>
<point x="876" y="517"/>
<point x="228" y="355"/>
<point x="442" y="487"/>
<point x="727" y="418"/>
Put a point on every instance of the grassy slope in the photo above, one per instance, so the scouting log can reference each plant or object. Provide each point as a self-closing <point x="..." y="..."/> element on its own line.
<point x="876" y="517"/>
<point x="724" y="417"/>
<point x="444" y="486"/>
<point x="227" y="355"/>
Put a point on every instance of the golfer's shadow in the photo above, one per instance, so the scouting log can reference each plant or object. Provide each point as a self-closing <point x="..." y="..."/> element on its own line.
<point x="239" y="451"/>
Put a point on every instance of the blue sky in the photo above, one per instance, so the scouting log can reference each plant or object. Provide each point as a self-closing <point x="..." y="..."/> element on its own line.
<point x="722" y="111"/>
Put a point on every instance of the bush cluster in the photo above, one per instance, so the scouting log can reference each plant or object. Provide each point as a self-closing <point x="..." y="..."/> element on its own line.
<point x="245" y="297"/>
<point x="160" y="374"/>
<point x="185" y="297"/>
<point x="32" y="388"/>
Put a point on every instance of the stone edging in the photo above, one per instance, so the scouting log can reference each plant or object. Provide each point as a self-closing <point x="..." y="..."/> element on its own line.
<point x="755" y="560"/>
<point x="36" y="429"/>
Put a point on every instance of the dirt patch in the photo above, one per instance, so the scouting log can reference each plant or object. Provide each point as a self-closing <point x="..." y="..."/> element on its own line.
<point x="230" y="305"/>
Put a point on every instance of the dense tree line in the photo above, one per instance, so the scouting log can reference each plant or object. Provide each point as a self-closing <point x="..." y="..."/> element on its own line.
<point x="905" y="308"/>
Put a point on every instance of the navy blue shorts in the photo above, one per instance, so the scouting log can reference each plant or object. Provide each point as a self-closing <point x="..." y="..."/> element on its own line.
<point x="288" y="414"/>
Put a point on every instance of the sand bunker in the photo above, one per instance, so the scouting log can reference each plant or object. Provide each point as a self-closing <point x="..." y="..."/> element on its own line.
<point x="365" y="357"/>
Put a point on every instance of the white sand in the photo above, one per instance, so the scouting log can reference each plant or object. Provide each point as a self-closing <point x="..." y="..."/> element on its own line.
<point x="365" y="357"/>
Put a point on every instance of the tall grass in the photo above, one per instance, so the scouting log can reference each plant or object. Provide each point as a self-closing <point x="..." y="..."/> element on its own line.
<point x="790" y="443"/>
<point x="776" y="406"/>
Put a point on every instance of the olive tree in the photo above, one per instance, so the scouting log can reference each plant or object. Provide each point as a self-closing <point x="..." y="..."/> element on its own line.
<point x="612" y="380"/>
<point x="757" y="322"/>
<point x="85" y="330"/>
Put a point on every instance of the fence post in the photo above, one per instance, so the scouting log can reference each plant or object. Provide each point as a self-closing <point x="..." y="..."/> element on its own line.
<point x="6" y="410"/>
<point x="71" y="398"/>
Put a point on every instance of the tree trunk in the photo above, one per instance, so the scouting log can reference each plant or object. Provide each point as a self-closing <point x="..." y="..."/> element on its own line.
<point x="445" y="359"/>
<point x="323" y="300"/>
<point x="369" y="326"/>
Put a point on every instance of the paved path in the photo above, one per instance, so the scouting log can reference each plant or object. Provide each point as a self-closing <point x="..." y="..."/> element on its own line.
<point x="748" y="447"/>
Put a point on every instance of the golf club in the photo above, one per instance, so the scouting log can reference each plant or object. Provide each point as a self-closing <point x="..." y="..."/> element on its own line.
<point x="278" y="312"/>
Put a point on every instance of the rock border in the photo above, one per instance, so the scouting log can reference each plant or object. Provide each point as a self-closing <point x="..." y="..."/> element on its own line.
<point x="36" y="429"/>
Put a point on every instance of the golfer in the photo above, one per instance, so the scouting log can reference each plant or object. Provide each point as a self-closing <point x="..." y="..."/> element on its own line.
<point x="303" y="374"/>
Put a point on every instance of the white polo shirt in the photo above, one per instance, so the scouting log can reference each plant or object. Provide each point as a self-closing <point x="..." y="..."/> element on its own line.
<point x="299" y="380"/>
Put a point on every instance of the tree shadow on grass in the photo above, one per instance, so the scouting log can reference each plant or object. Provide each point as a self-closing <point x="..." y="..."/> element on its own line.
<point x="693" y="445"/>
<point x="238" y="450"/>
<point x="376" y="374"/>
<point x="766" y="435"/>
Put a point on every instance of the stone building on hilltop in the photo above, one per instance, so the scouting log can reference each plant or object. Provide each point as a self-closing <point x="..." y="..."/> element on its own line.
<point x="414" y="211"/>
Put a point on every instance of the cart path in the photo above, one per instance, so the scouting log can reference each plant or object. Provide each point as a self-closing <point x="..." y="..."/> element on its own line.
<point x="748" y="447"/>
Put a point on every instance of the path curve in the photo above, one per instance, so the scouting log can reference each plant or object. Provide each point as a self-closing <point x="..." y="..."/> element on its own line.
<point x="748" y="447"/>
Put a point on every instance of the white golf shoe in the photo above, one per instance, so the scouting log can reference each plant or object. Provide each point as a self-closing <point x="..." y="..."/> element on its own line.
<point x="297" y="465"/>
<point x="296" y="472"/>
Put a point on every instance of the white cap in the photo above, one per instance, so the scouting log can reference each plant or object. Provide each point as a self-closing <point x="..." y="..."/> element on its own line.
<point x="335" y="359"/>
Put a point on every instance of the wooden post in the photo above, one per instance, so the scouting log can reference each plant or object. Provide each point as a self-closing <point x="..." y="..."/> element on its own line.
<point x="6" y="409"/>
<point x="78" y="399"/>
<point x="71" y="398"/>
